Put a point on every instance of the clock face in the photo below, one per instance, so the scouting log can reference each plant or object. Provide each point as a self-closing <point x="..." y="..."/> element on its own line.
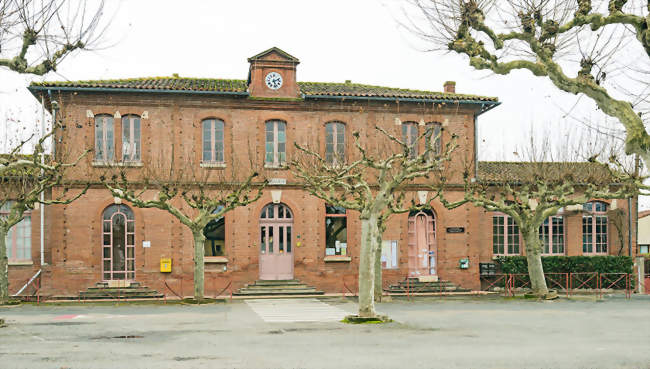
<point x="273" y="80"/>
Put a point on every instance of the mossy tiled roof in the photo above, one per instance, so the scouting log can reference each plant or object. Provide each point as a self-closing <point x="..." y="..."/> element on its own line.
<point x="504" y="171"/>
<point x="309" y="89"/>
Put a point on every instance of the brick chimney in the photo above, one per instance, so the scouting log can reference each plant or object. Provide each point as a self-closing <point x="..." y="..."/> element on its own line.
<point x="450" y="87"/>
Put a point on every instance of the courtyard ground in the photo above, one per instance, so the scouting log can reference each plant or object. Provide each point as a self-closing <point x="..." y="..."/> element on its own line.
<point x="469" y="332"/>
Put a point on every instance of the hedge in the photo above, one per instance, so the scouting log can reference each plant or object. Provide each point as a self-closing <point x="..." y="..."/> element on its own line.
<point x="568" y="264"/>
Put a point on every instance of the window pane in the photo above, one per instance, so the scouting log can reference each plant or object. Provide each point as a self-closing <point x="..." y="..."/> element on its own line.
<point x="136" y="139"/>
<point x="270" y="241"/>
<point x="99" y="138"/>
<point x="336" y="237"/>
<point x="207" y="140"/>
<point x="263" y="240"/>
<point x="288" y="238"/>
<point x="281" y="239"/>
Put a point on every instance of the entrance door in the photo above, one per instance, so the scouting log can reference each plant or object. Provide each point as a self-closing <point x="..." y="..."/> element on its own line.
<point x="118" y="243"/>
<point x="276" y="252"/>
<point x="422" y="246"/>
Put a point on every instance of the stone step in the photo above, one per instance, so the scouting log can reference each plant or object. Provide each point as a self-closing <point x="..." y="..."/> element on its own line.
<point x="104" y="297"/>
<point x="271" y="286"/>
<point x="136" y="290"/>
<point x="243" y="292"/>
<point x="276" y="282"/>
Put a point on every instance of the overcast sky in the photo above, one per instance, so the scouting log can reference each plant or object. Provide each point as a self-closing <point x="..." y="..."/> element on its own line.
<point x="335" y="40"/>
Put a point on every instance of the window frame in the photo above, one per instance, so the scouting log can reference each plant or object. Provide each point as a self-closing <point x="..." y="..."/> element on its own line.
<point x="136" y="147"/>
<point x="410" y="134"/>
<point x="213" y="141"/>
<point x="435" y="136"/>
<point x="336" y="215"/>
<point x="338" y="148"/>
<point x="551" y="233"/>
<point x="590" y="212"/>
<point x="277" y="161"/>
<point x="507" y="235"/>
<point x="386" y="264"/>
<point x="12" y="235"/>
<point x="107" y="120"/>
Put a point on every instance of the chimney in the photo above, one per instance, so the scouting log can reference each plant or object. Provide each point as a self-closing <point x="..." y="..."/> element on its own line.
<point x="450" y="87"/>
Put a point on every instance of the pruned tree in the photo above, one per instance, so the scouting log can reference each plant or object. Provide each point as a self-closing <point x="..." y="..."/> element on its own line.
<point x="36" y="35"/>
<point x="23" y="178"/>
<point x="375" y="185"/>
<point x="192" y="196"/>
<point x="600" y="49"/>
<point x="531" y="191"/>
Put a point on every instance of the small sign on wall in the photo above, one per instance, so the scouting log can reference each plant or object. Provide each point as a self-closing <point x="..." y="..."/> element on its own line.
<point x="455" y="229"/>
<point x="146" y="244"/>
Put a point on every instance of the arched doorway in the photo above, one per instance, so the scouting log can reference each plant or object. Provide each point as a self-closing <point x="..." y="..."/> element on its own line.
<point x="118" y="243"/>
<point x="276" y="246"/>
<point x="422" y="245"/>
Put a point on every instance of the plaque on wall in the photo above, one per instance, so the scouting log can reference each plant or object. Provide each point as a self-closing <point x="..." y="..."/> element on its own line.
<point x="455" y="229"/>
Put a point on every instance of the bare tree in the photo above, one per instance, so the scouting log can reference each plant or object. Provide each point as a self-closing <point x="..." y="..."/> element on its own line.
<point x="375" y="185"/>
<point x="23" y="178"/>
<point x="531" y="191"/>
<point x="193" y="197"/>
<point x="36" y="35"/>
<point x="596" y="48"/>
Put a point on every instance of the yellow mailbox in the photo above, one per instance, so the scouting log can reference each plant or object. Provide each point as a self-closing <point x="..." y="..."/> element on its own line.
<point x="165" y="265"/>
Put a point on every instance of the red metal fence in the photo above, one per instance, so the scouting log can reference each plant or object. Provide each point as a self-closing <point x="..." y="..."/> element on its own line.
<point x="565" y="283"/>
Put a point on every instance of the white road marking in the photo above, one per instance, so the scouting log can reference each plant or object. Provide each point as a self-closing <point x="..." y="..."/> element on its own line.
<point x="295" y="310"/>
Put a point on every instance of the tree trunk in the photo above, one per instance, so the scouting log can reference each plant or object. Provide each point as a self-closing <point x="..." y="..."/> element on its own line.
<point x="379" y="282"/>
<point x="369" y="230"/>
<point x="4" y="271"/>
<point x="199" y="242"/>
<point x="534" y="259"/>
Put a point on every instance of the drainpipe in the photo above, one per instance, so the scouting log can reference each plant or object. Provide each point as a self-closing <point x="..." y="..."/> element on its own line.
<point x="475" y="147"/>
<point x="42" y="196"/>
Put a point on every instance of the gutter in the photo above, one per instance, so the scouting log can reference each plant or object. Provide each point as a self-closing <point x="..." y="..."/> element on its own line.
<point x="35" y="89"/>
<point x="485" y="105"/>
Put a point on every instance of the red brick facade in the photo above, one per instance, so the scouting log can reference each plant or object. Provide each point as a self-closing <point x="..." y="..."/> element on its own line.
<point x="73" y="250"/>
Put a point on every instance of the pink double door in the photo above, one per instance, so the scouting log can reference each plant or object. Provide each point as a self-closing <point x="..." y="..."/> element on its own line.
<point x="276" y="243"/>
<point x="422" y="245"/>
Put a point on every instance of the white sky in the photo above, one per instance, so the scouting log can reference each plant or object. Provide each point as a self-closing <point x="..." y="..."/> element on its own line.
<point x="335" y="41"/>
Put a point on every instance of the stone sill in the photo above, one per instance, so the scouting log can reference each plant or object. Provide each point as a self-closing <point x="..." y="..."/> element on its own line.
<point x="337" y="258"/>
<point x="20" y="262"/>
<point x="213" y="165"/>
<point x="276" y="167"/>
<point x="103" y="164"/>
<point x="215" y="260"/>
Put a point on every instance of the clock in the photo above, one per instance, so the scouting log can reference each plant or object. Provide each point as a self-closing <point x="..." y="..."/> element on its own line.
<point x="273" y="80"/>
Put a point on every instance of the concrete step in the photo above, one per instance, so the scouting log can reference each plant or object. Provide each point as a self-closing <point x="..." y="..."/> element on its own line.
<point x="276" y="282"/>
<point x="272" y="286"/>
<point x="277" y="287"/>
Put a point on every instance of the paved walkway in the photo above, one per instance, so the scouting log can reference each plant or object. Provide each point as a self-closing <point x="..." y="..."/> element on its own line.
<point x="459" y="333"/>
<point x="295" y="310"/>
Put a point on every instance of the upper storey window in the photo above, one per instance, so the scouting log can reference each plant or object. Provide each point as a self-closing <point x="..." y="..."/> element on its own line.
<point x="130" y="138"/>
<point x="213" y="141"/>
<point x="104" y="138"/>
<point x="276" y="143"/>
<point x="434" y="132"/>
<point x="410" y="137"/>
<point x="335" y="143"/>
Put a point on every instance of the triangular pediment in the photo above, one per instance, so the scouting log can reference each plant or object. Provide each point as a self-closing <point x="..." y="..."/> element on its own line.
<point x="274" y="53"/>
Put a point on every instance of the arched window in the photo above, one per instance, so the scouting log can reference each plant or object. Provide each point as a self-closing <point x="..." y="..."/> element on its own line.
<point x="594" y="228"/>
<point x="131" y="138"/>
<point x="213" y="141"/>
<point x="118" y="243"/>
<point x="104" y="138"/>
<point x="335" y="143"/>
<point x="410" y="137"/>
<point x="275" y="143"/>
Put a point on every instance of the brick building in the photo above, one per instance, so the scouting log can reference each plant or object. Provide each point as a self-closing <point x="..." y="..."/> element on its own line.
<point x="209" y="124"/>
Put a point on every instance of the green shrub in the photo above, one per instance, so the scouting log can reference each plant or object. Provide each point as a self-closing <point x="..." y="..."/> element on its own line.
<point x="568" y="264"/>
